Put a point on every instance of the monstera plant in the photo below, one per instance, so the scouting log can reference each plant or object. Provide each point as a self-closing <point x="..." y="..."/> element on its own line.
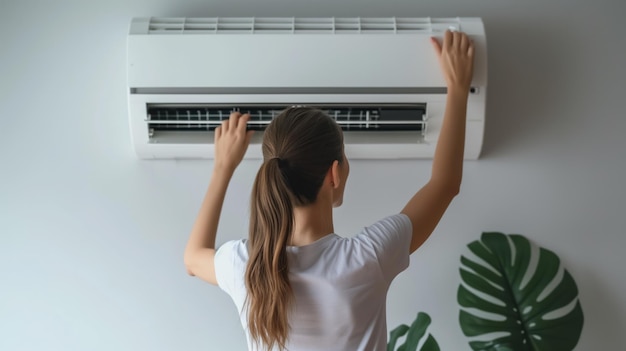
<point x="515" y="296"/>
<point x="414" y="335"/>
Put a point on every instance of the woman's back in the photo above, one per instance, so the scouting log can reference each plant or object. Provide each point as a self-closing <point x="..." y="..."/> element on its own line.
<point x="340" y="285"/>
<point x="326" y="292"/>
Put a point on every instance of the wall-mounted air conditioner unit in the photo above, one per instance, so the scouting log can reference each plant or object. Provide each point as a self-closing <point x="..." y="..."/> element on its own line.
<point x="378" y="77"/>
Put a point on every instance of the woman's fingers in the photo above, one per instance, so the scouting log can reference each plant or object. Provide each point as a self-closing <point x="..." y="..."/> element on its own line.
<point x="232" y="123"/>
<point x="233" y="120"/>
<point x="218" y="132"/>
<point x="243" y="122"/>
<point x="436" y="46"/>
<point x="448" y="39"/>
<point x="464" y="43"/>
<point x="236" y="122"/>
<point x="455" y="40"/>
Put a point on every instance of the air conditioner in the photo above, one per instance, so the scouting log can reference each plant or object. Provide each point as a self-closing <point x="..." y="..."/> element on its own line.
<point x="377" y="77"/>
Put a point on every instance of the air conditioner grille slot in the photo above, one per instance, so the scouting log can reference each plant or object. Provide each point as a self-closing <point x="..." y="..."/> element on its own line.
<point x="362" y="118"/>
<point x="295" y="25"/>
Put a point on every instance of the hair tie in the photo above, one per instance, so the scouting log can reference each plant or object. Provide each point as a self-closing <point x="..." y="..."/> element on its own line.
<point x="282" y="163"/>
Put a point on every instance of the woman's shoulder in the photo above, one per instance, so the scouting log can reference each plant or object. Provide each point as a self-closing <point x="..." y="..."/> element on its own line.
<point x="394" y="224"/>
<point x="237" y="249"/>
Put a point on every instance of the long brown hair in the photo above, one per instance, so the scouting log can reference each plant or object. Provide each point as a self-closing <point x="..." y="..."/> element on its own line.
<point x="299" y="147"/>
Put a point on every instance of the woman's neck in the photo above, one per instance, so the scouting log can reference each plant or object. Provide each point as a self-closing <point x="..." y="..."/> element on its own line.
<point x="312" y="222"/>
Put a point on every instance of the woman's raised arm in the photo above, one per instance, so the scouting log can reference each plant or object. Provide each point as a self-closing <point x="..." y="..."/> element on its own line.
<point x="231" y="143"/>
<point x="427" y="206"/>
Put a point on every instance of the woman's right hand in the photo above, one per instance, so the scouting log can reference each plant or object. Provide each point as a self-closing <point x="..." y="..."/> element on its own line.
<point x="456" y="57"/>
<point x="231" y="141"/>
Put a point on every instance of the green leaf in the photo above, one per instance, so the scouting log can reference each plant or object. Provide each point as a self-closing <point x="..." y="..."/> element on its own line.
<point x="497" y="298"/>
<point x="430" y="344"/>
<point x="395" y="334"/>
<point x="414" y="334"/>
<point x="417" y="331"/>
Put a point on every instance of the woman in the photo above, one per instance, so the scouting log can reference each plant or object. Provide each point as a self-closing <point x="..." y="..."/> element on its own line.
<point x="297" y="285"/>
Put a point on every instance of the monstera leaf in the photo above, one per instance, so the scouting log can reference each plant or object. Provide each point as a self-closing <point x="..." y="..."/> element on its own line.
<point x="414" y="334"/>
<point x="515" y="296"/>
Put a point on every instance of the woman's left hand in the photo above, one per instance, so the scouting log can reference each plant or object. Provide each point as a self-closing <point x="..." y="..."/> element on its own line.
<point x="231" y="141"/>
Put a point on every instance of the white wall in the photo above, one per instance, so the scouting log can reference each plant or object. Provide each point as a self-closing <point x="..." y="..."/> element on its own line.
<point x="92" y="239"/>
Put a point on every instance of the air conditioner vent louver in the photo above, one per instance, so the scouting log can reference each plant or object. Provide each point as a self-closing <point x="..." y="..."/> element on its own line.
<point x="405" y="117"/>
<point x="295" y="25"/>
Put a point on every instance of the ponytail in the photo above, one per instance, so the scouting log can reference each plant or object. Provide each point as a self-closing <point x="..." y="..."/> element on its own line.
<point x="299" y="147"/>
<point x="267" y="274"/>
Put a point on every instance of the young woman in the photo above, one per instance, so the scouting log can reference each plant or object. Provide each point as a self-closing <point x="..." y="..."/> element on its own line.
<point x="297" y="285"/>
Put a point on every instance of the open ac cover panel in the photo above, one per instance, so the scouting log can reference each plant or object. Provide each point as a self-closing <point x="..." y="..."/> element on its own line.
<point x="377" y="77"/>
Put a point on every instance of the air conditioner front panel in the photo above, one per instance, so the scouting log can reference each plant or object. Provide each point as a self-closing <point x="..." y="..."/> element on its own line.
<point x="283" y="61"/>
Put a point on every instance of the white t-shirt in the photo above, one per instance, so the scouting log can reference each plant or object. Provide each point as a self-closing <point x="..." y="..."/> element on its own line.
<point x="340" y="285"/>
